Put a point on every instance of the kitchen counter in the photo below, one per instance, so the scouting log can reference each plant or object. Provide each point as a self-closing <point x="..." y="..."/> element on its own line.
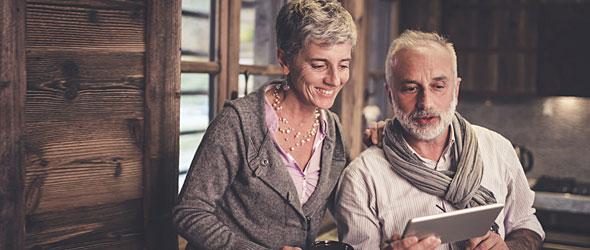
<point x="562" y="202"/>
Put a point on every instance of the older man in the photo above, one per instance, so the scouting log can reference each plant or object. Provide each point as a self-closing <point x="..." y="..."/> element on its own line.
<point x="433" y="161"/>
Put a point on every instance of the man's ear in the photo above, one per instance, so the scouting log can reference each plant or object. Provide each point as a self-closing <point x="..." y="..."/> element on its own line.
<point x="389" y="94"/>
<point x="457" y="87"/>
<point x="282" y="61"/>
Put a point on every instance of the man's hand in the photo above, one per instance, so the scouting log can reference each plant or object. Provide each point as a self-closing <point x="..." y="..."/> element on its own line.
<point x="374" y="134"/>
<point x="411" y="243"/>
<point x="490" y="240"/>
<point x="289" y="248"/>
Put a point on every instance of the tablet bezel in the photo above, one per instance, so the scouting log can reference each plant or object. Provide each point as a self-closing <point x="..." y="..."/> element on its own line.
<point x="456" y="225"/>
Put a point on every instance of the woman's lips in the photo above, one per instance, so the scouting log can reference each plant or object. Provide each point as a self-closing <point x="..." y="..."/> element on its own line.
<point x="326" y="92"/>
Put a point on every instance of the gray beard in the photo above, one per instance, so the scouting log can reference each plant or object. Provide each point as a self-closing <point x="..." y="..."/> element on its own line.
<point x="425" y="132"/>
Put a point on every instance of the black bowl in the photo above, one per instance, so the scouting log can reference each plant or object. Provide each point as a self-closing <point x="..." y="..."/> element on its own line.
<point x="330" y="245"/>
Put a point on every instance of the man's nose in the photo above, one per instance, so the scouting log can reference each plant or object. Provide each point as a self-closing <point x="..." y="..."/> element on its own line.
<point x="424" y="99"/>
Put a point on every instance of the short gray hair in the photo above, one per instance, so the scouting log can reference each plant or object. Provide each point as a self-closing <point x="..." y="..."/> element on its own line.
<point x="412" y="39"/>
<point x="300" y="22"/>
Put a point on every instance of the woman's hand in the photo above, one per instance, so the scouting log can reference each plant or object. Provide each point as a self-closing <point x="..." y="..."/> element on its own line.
<point x="411" y="243"/>
<point x="374" y="134"/>
<point x="289" y="248"/>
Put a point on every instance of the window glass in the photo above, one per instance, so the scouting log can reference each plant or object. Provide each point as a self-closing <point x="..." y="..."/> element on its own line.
<point x="195" y="30"/>
<point x="257" y="40"/>
<point x="197" y="21"/>
<point x="188" y="147"/>
<point x="194" y="102"/>
<point x="194" y="117"/>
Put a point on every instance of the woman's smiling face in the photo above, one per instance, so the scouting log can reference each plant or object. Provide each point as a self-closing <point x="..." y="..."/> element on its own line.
<point x="318" y="72"/>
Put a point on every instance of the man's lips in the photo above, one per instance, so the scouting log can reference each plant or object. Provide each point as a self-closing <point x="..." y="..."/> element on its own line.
<point x="426" y="120"/>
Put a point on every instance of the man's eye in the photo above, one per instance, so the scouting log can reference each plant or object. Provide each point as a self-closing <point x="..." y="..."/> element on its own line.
<point x="439" y="87"/>
<point x="316" y="66"/>
<point x="409" y="89"/>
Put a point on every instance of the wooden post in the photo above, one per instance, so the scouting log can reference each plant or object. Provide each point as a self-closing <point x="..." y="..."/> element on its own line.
<point x="162" y="100"/>
<point x="12" y="102"/>
<point x="352" y="97"/>
<point x="229" y="51"/>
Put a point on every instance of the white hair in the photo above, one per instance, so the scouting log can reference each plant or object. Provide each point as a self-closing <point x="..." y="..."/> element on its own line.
<point x="412" y="39"/>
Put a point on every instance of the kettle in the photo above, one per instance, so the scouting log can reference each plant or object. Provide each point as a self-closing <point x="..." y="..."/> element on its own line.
<point x="525" y="157"/>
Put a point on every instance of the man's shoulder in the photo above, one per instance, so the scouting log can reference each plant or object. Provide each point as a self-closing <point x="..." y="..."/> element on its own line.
<point x="486" y="134"/>
<point x="371" y="157"/>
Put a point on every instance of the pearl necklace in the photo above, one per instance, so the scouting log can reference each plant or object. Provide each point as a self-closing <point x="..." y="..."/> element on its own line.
<point x="297" y="137"/>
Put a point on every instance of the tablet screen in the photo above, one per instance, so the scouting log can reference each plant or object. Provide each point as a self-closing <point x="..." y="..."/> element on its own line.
<point x="456" y="225"/>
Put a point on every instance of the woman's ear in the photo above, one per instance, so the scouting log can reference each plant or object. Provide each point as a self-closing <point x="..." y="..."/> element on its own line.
<point x="282" y="61"/>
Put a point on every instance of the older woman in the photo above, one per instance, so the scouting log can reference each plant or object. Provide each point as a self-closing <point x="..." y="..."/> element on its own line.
<point x="268" y="163"/>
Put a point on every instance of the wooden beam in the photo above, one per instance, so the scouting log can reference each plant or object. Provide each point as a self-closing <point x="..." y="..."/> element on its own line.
<point x="228" y="51"/>
<point x="352" y="96"/>
<point x="263" y="70"/>
<point x="162" y="100"/>
<point x="214" y="68"/>
<point x="12" y="102"/>
<point x="199" y="67"/>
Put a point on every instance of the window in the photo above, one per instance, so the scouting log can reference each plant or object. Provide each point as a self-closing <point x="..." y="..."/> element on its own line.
<point x="195" y="102"/>
<point x="214" y="69"/>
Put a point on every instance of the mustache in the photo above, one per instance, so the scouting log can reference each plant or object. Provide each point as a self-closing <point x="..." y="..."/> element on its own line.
<point x="424" y="113"/>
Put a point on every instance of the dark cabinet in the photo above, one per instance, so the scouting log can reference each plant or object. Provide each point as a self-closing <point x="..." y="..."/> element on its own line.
<point x="512" y="48"/>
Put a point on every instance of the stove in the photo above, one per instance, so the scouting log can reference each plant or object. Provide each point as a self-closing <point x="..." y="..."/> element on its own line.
<point x="562" y="185"/>
<point x="563" y="208"/>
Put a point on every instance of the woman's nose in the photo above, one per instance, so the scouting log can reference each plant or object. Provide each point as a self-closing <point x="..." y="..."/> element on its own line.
<point x="333" y="78"/>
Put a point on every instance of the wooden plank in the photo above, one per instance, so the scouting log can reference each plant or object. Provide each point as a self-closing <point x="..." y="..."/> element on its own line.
<point x="162" y="110"/>
<point x="89" y="25"/>
<point x="84" y="85"/>
<point x="352" y="96"/>
<point x="563" y="48"/>
<point x="222" y="35"/>
<point x="199" y="67"/>
<point x="214" y="68"/>
<point x="12" y="102"/>
<point x="424" y="15"/>
<point x="265" y="70"/>
<point x="61" y="65"/>
<point x="228" y="51"/>
<point x="104" y="226"/>
<point x="84" y="164"/>
<point x="85" y="102"/>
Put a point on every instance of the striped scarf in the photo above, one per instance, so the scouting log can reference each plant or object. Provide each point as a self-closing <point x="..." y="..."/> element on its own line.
<point x="461" y="188"/>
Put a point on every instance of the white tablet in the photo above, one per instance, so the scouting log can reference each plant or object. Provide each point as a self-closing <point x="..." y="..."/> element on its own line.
<point x="456" y="225"/>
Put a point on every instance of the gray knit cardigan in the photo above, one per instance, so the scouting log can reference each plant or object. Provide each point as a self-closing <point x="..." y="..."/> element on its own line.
<point x="238" y="193"/>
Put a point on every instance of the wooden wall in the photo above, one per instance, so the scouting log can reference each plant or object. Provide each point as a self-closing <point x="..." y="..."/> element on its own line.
<point x="100" y="123"/>
<point x="12" y="102"/>
<point x="351" y="100"/>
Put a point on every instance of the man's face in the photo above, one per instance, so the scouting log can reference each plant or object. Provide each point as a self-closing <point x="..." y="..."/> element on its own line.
<point x="319" y="72"/>
<point x="424" y="94"/>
